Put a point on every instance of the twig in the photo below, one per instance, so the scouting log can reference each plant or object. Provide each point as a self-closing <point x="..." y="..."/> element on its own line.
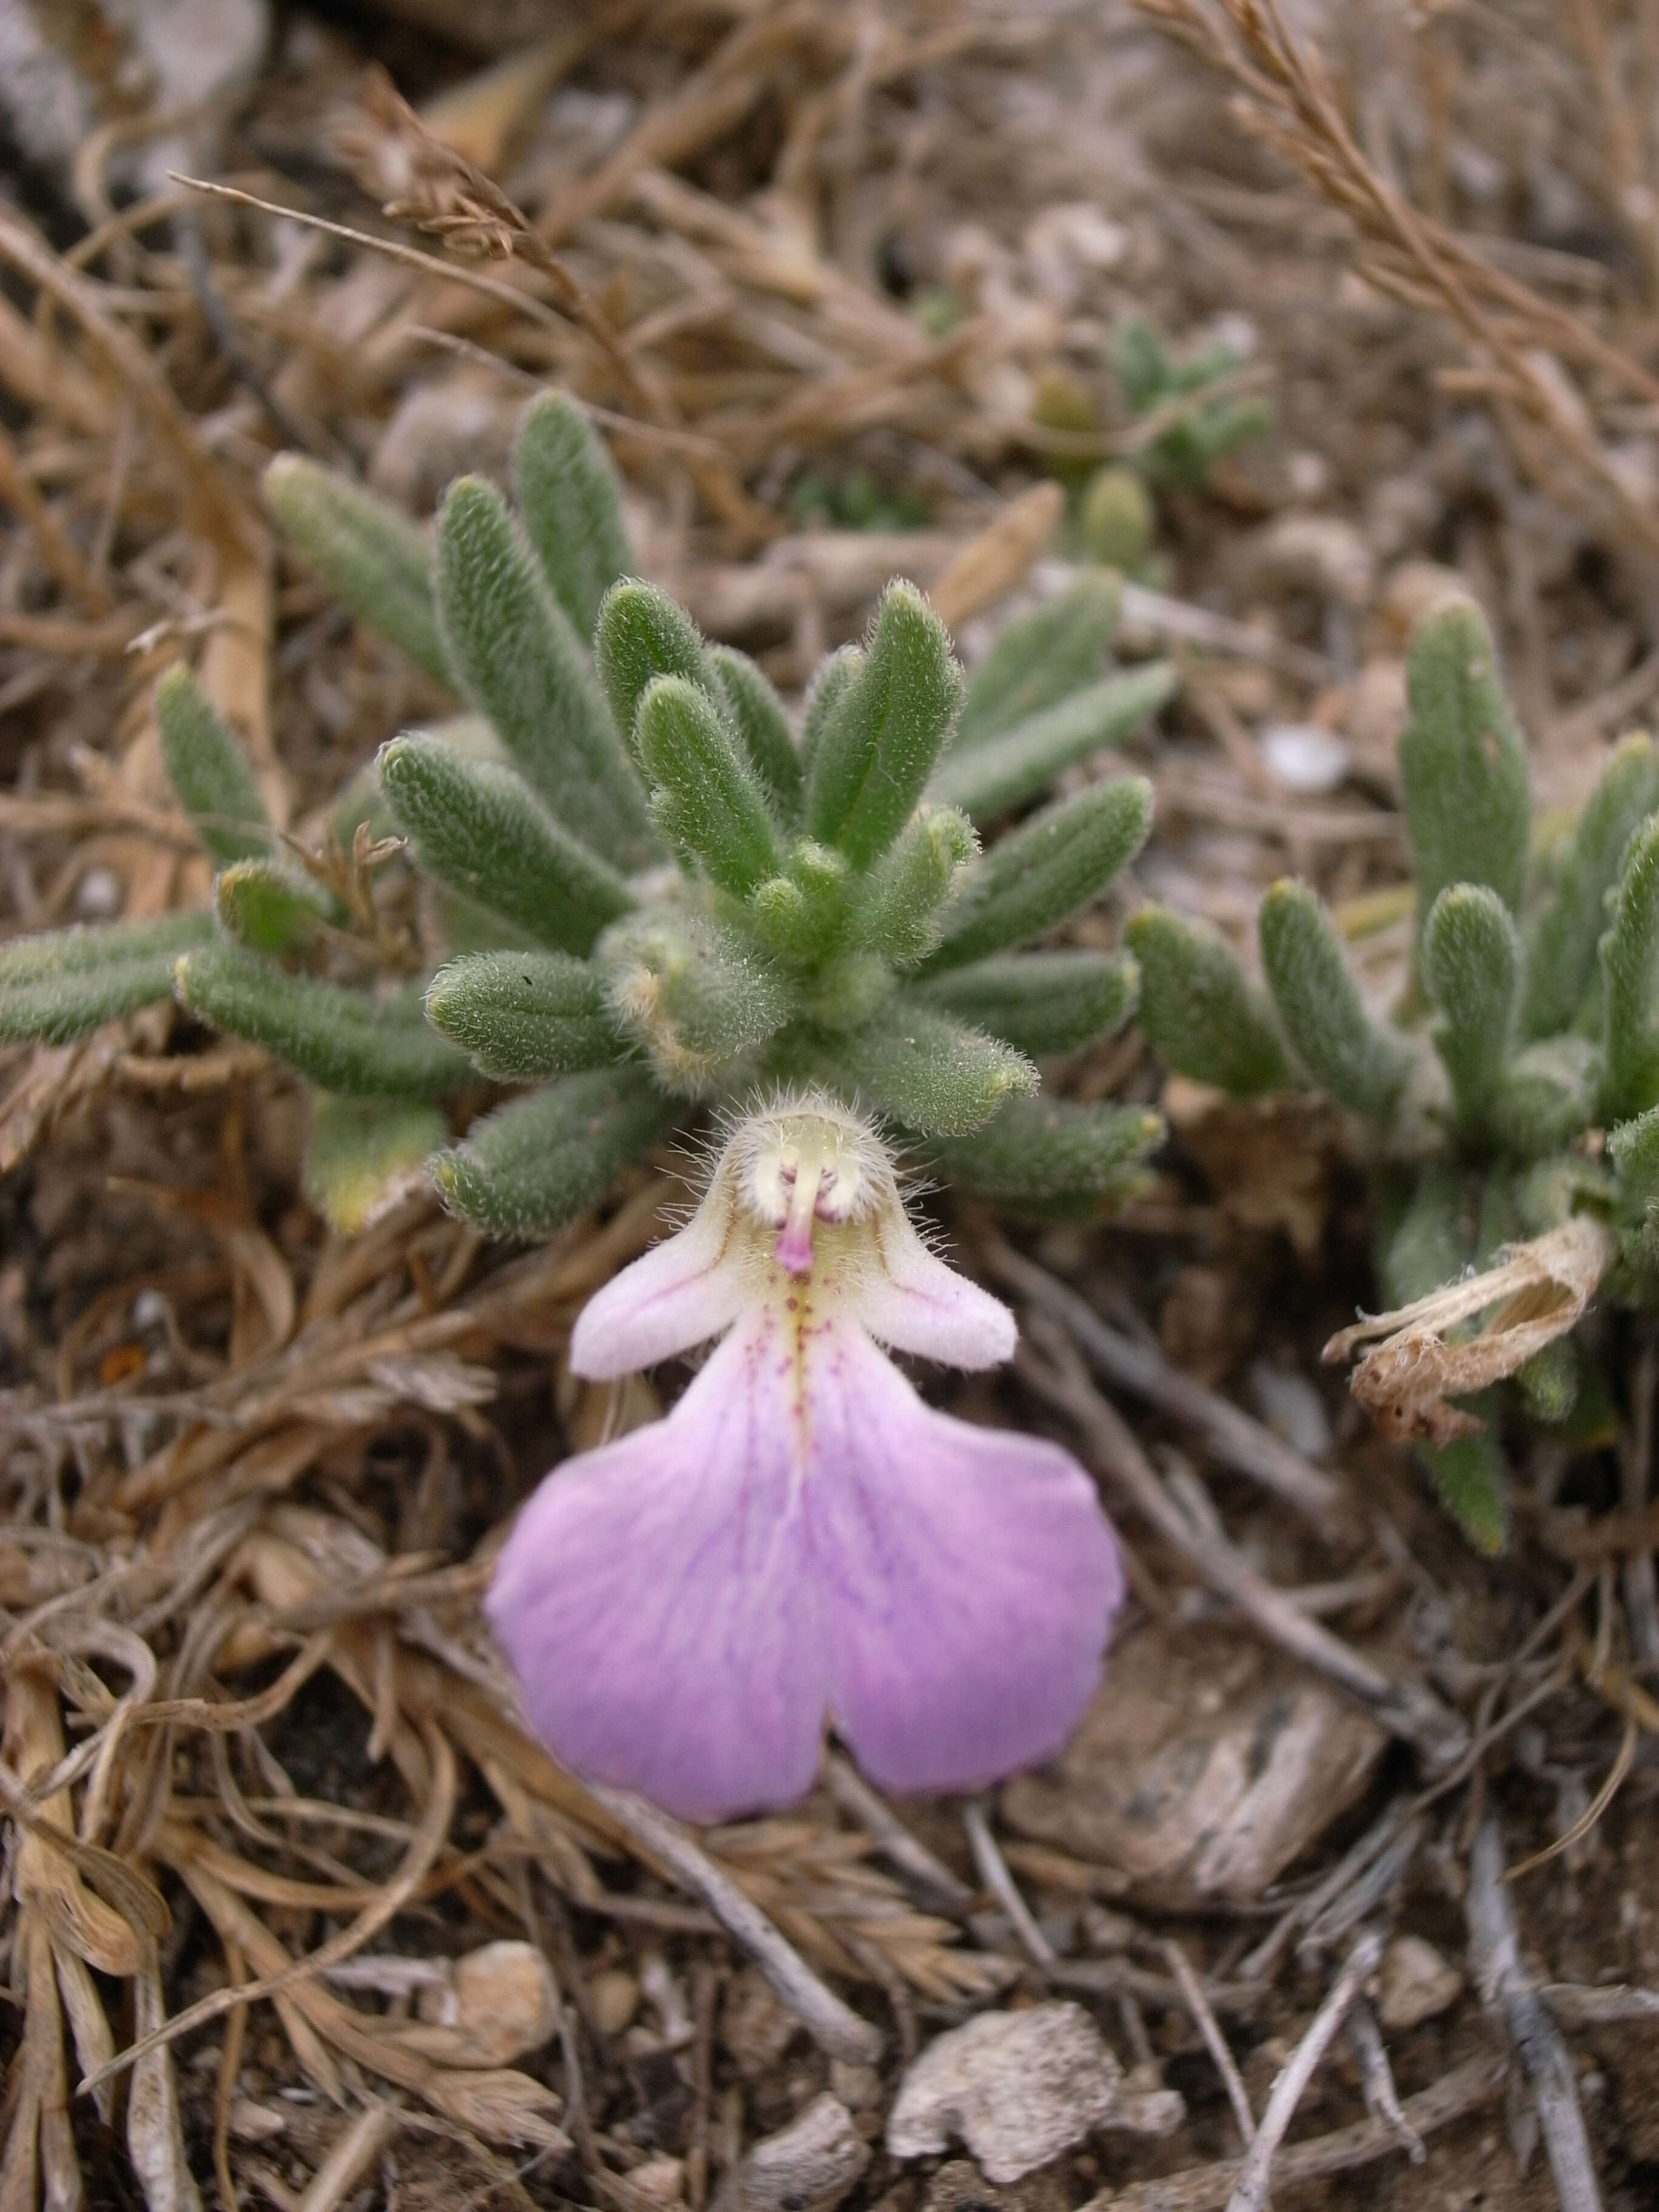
<point x="1239" y="1443"/>
<point x="1575" y="2005"/>
<point x="893" y="1839"/>
<point x="1214" y="2042"/>
<point x="1592" y="1812"/>
<point x="836" y="2027"/>
<point x="993" y="1872"/>
<point x="1178" y="618"/>
<point x="1250" y="2190"/>
<point x="1408" y="1709"/>
<point x="1509" y="1996"/>
<point x="1377" y="2079"/>
<point x="1467" y="2089"/>
<point x="353" y="2151"/>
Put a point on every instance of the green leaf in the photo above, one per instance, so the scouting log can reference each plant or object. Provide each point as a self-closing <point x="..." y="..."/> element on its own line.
<point x="1561" y="957"/>
<point x="542" y="1160"/>
<point x="1472" y="965"/>
<point x="1633" y="1149"/>
<point x="1549" y="1380"/>
<point x="362" y="1154"/>
<point x="1205" y="1019"/>
<point x="878" y="747"/>
<point x="523" y="1015"/>
<point x="1319" y="1007"/>
<point x="1629" y="953"/>
<point x="1463" y="763"/>
<point x="1118" y="520"/>
<point x="1046" y="1156"/>
<point x="268" y="907"/>
<point x="642" y="635"/>
<point x="934" y="1075"/>
<point x="800" y="915"/>
<point x="343" y="1040"/>
<point x="374" y="559"/>
<point x="64" y="983"/>
<point x="1548" y="1095"/>
<point x="1429" y="1243"/>
<point x="1042" y="1003"/>
<point x="1472" y="1482"/>
<point x="706" y="796"/>
<point x="1006" y="772"/>
<point x="757" y="716"/>
<point x="208" y="769"/>
<point x="571" y="502"/>
<point x="478" y="829"/>
<point x="903" y="902"/>
<point x="517" y="659"/>
<point x="1040" y="659"/>
<point x="692" y="992"/>
<point x="1049" y="869"/>
<point x="823" y="695"/>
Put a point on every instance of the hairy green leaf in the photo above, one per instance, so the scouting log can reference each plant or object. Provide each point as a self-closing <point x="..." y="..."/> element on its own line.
<point x="538" y="1162"/>
<point x="571" y="502"/>
<point x="343" y="1040"/>
<point x="478" y="829"/>
<point x="1040" y="659"/>
<point x="1320" y="1007"/>
<point x="1008" y="771"/>
<point x="1049" y="869"/>
<point x="1203" y="1017"/>
<point x="706" y="795"/>
<point x="879" y="742"/>
<point x="65" y="983"/>
<point x="523" y="1015"/>
<point x="374" y="559"/>
<point x="207" y="768"/>
<point x="1042" y="1003"/>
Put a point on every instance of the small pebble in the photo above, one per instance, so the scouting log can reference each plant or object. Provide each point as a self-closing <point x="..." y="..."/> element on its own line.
<point x="1414" y="1982"/>
<point x="615" y="1997"/>
<point x="1302" y="758"/>
<point x="99" y="896"/>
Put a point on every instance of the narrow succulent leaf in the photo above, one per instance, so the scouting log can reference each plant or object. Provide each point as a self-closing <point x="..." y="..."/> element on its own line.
<point x="538" y="1162"/>
<point x="374" y="559"/>
<point x="706" y="794"/>
<point x="1462" y="761"/>
<point x="903" y="900"/>
<point x="757" y="716"/>
<point x="878" y="746"/>
<point x="1630" y="976"/>
<point x="269" y="907"/>
<point x="210" y="771"/>
<point x="1548" y="1096"/>
<point x="692" y="992"/>
<point x="801" y="916"/>
<point x="1549" y="1383"/>
<point x="1045" y="1156"/>
<point x="1049" y="869"/>
<point x="1472" y="1481"/>
<point x="1118" y="520"/>
<point x="1472" y="966"/>
<point x="1009" y="770"/>
<point x="1200" y="1011"/>
<point x="478" y="829"/>
<point x="518" y="660"/>
<point x="823" y="695"/>
<point x="1042" y="1003"/>
<point x="933" y="1074"/>
<point x="571" y="502"/>
<point x="1429" y="1244"/>
<point x="1319" y="1007"/>
<point x="364" y="1154"/>
<point x="1633" y="1149"/>
<point x="641" y="634"/>
<point x="1040" y="659"/>
<point x="343" y="1040"/>
<point x="1561" y="953"/>
<point x="65" y="983"/>
<point x="523" y="1015"/>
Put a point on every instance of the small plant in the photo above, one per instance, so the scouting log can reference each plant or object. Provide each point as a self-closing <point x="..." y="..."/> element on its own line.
<point x="622" y="878"/>
<point x="1510" y="1106"/>
<point x="1201" y="430"/>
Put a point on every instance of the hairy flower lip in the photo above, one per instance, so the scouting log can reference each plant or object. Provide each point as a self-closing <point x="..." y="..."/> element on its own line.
<point x="802" y="1540"/>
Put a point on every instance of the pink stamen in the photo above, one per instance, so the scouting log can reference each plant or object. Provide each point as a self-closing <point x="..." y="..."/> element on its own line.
<point x="795" y="1246"/>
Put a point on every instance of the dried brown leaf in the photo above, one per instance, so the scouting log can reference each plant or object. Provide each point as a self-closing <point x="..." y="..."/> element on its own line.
<point x="1536" y="1293"/>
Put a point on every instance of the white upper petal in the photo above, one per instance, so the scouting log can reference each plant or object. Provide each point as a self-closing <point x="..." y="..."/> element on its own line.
<point x="680" y="1293"/>
<point x="909" y="1299"/>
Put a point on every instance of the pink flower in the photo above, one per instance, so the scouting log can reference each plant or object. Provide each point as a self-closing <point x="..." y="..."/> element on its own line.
<point x="802" y="1539"/>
